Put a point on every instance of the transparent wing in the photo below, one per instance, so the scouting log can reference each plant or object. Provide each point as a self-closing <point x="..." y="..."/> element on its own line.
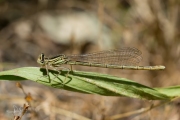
<point x="122" y="56"/>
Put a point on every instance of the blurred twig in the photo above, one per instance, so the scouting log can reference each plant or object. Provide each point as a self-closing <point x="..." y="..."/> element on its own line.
<point x="140" y="111"/>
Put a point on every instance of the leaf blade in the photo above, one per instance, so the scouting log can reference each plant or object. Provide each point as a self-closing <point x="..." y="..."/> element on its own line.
<point x="86" y="82"/>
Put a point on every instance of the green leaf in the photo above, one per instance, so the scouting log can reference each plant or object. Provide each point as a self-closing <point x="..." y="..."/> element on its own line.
<point x="86" y="82"/>
<point x="173" y="91"/>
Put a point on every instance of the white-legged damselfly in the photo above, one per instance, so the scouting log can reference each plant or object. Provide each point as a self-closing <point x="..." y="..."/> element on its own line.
<point x="123" y="58"/>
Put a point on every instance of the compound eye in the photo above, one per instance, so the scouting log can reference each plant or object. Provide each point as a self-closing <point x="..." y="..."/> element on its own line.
<point x="42" y="57"/>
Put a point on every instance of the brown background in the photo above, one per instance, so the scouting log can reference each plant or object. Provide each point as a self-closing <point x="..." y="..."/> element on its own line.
<point x="28" y="28"/>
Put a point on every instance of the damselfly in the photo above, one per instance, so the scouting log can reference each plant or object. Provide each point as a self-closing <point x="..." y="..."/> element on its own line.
<point x="123" y="58"/>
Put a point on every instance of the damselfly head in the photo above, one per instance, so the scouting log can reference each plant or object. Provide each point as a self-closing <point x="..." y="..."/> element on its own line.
<point x="40" y="59"/>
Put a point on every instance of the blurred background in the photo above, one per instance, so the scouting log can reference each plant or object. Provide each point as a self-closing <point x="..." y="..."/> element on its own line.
<point x="30" y="27"/>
